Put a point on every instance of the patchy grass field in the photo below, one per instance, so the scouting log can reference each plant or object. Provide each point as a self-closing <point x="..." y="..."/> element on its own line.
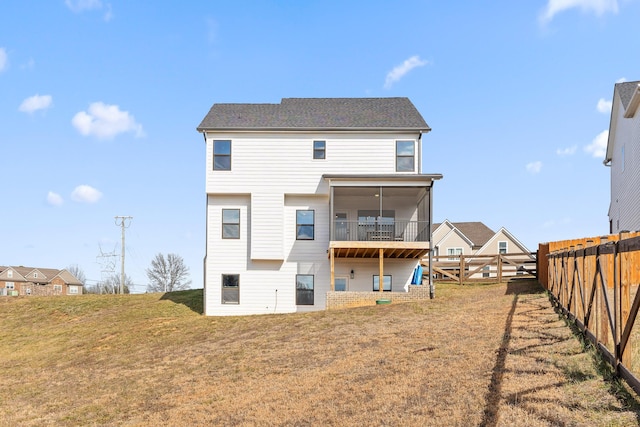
<point x="476" y="355"/>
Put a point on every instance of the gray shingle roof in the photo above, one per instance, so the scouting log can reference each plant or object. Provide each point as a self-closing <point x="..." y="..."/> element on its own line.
<point x="477" y="231"/>
<point x="626" y="90"/>
<point x="317" y="113"/>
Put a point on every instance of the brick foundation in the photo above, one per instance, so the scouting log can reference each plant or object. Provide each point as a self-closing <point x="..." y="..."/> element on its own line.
<point x="348" y="299"/>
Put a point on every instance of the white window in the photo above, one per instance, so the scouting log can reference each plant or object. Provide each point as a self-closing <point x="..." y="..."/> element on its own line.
<point x="73" y="290"/>
<point x="10" y="274"/>
<point x="341" y="284"/>
<point x="486" y="271"/>
<point x="230" y="223"/>
<point x="230" y="289"/>
<point x="9" y="285"/>
<point x="405" y="156"/>
<point x="386" y="283"/>
<point x="304" y="289"/>
<point x="502" y="247"/>
<point x="35" y="275"/>
<point x="319" y="150"/>
<point x="452" y="252"/>
<point x="222" y="155"/>
<point x="57" y="288"/>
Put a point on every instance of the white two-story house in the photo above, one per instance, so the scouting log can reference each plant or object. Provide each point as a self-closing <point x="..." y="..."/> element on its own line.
<point x="312" y="196"/>
<point x="623" y="157"/>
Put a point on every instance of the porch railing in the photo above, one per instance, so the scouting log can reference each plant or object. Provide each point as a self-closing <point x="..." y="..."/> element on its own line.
<point x="380" y="230"/>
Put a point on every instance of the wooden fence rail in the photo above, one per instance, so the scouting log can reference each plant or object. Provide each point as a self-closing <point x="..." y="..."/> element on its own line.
<point x="592" y="282"/>
<point x="483" y="268"/>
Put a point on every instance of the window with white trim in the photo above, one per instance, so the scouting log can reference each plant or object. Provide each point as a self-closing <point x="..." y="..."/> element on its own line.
<point x="10" y="274"/>
<point x="502" y="247"/>
<point x="452" y="252"/>
<point x="73" y="290"/>
<point x="57" y="288"/>
<point x="9" y="285"/>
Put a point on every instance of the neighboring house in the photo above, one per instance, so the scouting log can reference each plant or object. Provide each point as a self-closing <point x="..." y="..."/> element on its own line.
<point x="38" y="281"/>
<point x="312" y="196"/>
<point x="623" y="157"/>
<point x="452" y="239"/>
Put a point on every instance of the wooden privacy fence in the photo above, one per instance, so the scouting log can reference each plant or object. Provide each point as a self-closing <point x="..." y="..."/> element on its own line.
<point x="483" y="268"/>
<point x="594" y="282"/>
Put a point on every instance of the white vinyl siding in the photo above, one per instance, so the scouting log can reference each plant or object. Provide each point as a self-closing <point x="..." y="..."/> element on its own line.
<point x="288" y="167"/>
<point x="624" y="210"/>
<point x="267" y="226"/>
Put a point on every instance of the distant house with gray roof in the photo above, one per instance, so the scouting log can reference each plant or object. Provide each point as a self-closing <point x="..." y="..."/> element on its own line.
<point x="452" y="239"/>
<point x="312" y="200"/>
<point x="474" y="238"/>
<point x="19" y="280"/>
<point x="623" y="158"/>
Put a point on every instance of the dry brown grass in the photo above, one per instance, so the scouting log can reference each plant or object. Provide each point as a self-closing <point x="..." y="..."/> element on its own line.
<point x="476" y="355"/>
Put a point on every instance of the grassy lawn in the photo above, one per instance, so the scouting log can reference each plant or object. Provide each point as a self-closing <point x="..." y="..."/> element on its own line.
<point x="476" y="355"/>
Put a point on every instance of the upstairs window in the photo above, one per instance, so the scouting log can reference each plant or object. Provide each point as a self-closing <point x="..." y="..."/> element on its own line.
<point x="230" y="223"/>
<point x="319" y="150"/>
<point x="405" y="156"/>
<point x="10" y="274"/>
<point x="305" y="225"/>
<point x="502" y="247"/>
<point x="221" y="155"/>
<point x="452" y="252"/>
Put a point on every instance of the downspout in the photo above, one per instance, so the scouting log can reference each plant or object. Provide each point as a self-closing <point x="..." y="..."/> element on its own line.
<point x="206" y="246"/>
<point x="432" y="290"/>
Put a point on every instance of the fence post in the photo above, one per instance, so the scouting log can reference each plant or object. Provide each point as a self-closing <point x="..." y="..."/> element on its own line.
<point x="461" y="272"/>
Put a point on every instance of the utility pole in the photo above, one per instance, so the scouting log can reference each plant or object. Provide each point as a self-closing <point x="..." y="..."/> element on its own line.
<point x="121" y="221"/>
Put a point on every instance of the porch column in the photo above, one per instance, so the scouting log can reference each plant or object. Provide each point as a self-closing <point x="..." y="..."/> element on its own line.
<point x="381" y="279"/>
<point x="333" y="276"/>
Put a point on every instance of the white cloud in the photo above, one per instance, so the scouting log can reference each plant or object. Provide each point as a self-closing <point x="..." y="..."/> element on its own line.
<point x="54" y="199"/>
<point x="534" y="167"/>
<point x="598" y="7"/>
<point x="621" y="80"/>
<point x="4" y="60"/>
<point x="85" y="194"/>
<point x="598" y="147"/>
<point x="567" y="151"/>
<point x="79" y="6"/>
<point x="604" y="106"/>
<point x="35" y="103"/>
<point x="399" y="71"/>
<point x="105" y="121"/>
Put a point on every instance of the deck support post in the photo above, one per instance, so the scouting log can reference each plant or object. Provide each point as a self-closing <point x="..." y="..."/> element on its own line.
<point x="381" y="278"/>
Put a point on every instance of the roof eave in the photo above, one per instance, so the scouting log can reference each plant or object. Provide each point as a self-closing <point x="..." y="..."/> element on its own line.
<point x="203" y="129"/>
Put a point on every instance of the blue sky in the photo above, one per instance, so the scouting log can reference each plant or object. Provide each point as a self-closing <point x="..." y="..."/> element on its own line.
<point x="99" y="101"/>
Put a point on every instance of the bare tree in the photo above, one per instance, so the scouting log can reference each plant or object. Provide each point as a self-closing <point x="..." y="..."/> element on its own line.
<point x="111" y="285"/>
<point x="168" y="274"/>
<point x="77" y="273"/>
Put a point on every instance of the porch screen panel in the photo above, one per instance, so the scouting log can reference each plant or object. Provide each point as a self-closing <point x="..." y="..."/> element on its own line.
<point x="424" y="227"/>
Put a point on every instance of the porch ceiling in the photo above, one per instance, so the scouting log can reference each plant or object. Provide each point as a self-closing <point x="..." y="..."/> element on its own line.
<point x="407" y="250"/>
